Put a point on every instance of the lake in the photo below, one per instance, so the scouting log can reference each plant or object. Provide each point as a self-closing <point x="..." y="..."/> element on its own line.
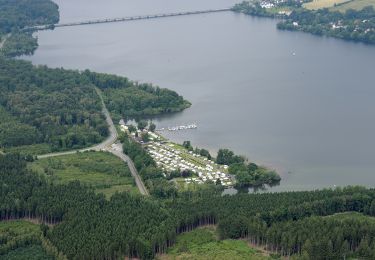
<point x="298" y="103"/>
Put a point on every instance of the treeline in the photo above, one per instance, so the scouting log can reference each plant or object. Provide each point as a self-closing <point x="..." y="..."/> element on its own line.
<point x="41" y="105"/>
<point x="199" y="151"/>
<point x="128" y="99"/>
<point x="18" y="14"/>
<point x="61" y="107"/>
<point x="320" y="238"/>
<point x="297" y="224"/>
<point x="24" y="194"/>
<point x="20" y="44"/>
<point x="90" y="227"/>
<point x="354" y="25"/>
<point x="15" y="15"/>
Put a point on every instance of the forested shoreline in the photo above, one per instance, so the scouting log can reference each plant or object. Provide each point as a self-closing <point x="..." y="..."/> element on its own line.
<point x="15" y="16"/>
<point x="61" y="110"/>
<point x="53" y="106"/>
<point x="247" y="174"/>
<point x="353" y="25"/>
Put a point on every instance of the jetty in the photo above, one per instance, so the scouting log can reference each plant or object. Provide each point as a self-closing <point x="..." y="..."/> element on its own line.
<point x="178" y="128"/>
<point x="126" y="19"/>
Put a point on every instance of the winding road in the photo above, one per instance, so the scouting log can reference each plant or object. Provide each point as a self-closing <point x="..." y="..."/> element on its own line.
<point x="109" y="145"/>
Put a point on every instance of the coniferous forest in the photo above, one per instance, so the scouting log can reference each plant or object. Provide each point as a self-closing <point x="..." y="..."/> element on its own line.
<point x="87" y="226"/>
<point x="59" y="109"/>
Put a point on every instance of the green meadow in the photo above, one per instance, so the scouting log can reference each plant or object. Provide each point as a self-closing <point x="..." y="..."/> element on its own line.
<point x="203" y="243"/>
<point x="354" y="4"/>
<point x="102" y="171"/>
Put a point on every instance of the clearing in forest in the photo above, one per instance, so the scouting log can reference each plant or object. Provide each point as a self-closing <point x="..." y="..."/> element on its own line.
<point x="203" y="243"/>
<point x="103" y="171"/>
<point x="319" y="4"/>
<point x="20" y="232"/>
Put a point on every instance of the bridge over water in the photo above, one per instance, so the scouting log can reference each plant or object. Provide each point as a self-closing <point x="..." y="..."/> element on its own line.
<point x="126" y="19"/>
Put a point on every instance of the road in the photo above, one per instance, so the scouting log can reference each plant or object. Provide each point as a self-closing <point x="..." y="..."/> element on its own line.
<point x="116" y="149"/>
<point x="4" y="40"/>
<point x="99" y="147"/>
<point x="109" y="145"/>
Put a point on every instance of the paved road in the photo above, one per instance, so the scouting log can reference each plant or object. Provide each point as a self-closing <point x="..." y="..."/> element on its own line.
<point x="103" y="145"/>
<point x="116" y="149"/>
<point x="110" y="146"/>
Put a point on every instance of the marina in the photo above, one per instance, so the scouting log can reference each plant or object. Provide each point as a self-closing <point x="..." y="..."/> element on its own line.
<point x="178" y="128"/>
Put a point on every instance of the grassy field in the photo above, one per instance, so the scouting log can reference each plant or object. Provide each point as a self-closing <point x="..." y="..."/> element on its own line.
<point x="354" y="4"/>
<point x="318" y="4"/>
<point x="103" y="171"/>
<point x="183" y="186"/>
<point x="203" y="243"/>
<point x="19" y="230"/>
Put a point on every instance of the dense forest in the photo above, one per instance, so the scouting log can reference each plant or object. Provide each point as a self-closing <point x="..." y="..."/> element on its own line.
<point x="61" y="108"/>
<point x="15" y="15"/>
<point x="354" y="25"/>
<point x="20" y="44"/>
<point x="90" y="227"/>
<point x="128" y="99"/>
<point x="53" y="106"/>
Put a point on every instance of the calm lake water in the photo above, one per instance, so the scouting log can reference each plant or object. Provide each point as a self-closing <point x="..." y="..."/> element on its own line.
<point x="310" y="115"/>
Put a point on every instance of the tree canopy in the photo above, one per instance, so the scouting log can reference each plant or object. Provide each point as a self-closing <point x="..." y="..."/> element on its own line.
<point x="61" y="108"/>
<point x="16" y="15"/>
<point x="91" y="227"/>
